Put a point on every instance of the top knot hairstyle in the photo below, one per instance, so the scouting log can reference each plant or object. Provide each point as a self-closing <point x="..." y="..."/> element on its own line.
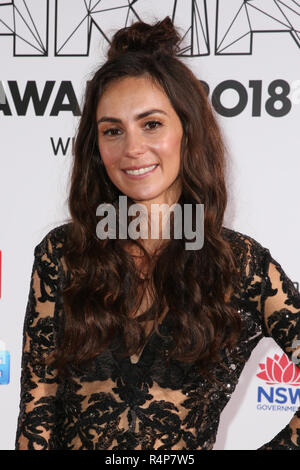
<point x="161" y="38"/>
<point x="104" y="285"/>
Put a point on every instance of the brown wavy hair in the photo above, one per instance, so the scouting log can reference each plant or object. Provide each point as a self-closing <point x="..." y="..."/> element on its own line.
<point x="104" y="284"/>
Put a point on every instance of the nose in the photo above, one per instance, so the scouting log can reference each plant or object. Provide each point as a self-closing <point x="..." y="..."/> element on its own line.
<point x="134" y="144"/>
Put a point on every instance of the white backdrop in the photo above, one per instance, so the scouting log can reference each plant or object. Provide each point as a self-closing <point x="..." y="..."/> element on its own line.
<point x="253" y="47"/>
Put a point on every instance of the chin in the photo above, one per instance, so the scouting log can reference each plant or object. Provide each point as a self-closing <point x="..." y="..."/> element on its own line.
<point x="139" y="196"/>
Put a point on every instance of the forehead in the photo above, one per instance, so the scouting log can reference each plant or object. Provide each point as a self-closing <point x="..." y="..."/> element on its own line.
<point x="130" y="93"/>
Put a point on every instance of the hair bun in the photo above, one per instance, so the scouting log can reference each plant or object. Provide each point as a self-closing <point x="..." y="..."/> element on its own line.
<point x="160" y="37"/>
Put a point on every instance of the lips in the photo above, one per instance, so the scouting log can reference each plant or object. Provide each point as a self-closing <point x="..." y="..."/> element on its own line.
<point x="142" y="172"/>
<point x="139" y="167"/>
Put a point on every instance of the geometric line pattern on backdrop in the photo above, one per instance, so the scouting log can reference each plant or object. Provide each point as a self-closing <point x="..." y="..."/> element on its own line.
<point x="75" y="22"/>
<point x="27" y="22"/>
<point x="237" y="21"/>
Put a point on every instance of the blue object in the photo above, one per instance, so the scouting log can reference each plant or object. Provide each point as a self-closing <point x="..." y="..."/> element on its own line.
<point x="4" y="367"/>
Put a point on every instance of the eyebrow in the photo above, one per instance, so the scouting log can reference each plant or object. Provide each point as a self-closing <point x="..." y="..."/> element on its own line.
<point x="137" y="117"/>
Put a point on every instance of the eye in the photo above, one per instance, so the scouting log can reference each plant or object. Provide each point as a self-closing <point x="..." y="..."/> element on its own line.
<point x="153" y="124"/>
<point x="112" y="131"/>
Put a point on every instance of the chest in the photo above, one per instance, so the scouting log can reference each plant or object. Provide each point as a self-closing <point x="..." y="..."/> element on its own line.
<point x="145" y="303"/>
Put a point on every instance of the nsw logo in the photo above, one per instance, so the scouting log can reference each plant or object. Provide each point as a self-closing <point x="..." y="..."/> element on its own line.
<point x="278" y="370"/>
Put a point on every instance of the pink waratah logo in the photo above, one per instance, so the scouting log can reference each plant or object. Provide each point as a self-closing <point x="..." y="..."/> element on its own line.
<point x="279" y="370"/>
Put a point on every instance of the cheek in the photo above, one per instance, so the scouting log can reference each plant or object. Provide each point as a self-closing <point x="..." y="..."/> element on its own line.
<point x="167" y="142"/>
<point x="169" y="147"/>
<point x="110" y="154"/>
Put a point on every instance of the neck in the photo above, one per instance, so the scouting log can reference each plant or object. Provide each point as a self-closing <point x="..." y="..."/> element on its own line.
<point x="157" y="215"/>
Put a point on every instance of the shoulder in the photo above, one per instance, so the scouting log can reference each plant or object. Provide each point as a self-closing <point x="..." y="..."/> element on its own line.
<point x="53" y="242"/>
<point x="238" y="239"/>
<point x="245" y="248"/>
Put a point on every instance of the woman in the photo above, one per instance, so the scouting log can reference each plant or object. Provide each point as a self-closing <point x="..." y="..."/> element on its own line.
<point x="139" y="343"/>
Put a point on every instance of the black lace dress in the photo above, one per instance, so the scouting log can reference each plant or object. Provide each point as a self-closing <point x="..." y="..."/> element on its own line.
<point x="118" y="404"/>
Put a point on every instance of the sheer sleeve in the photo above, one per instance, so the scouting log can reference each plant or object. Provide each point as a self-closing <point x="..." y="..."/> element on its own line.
<point x="278" y="303"/>
<point x="37" y="427"/>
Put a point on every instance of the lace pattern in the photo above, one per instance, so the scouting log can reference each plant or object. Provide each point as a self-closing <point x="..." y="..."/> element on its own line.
<point x="147" y="405"/>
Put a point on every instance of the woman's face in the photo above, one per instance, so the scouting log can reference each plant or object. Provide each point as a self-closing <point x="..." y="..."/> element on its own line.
<point x="138" y="128"/>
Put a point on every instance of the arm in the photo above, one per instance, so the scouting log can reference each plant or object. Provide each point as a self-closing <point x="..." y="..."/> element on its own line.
<point x="38" y="415"/>
<point x="279" y="305"/>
